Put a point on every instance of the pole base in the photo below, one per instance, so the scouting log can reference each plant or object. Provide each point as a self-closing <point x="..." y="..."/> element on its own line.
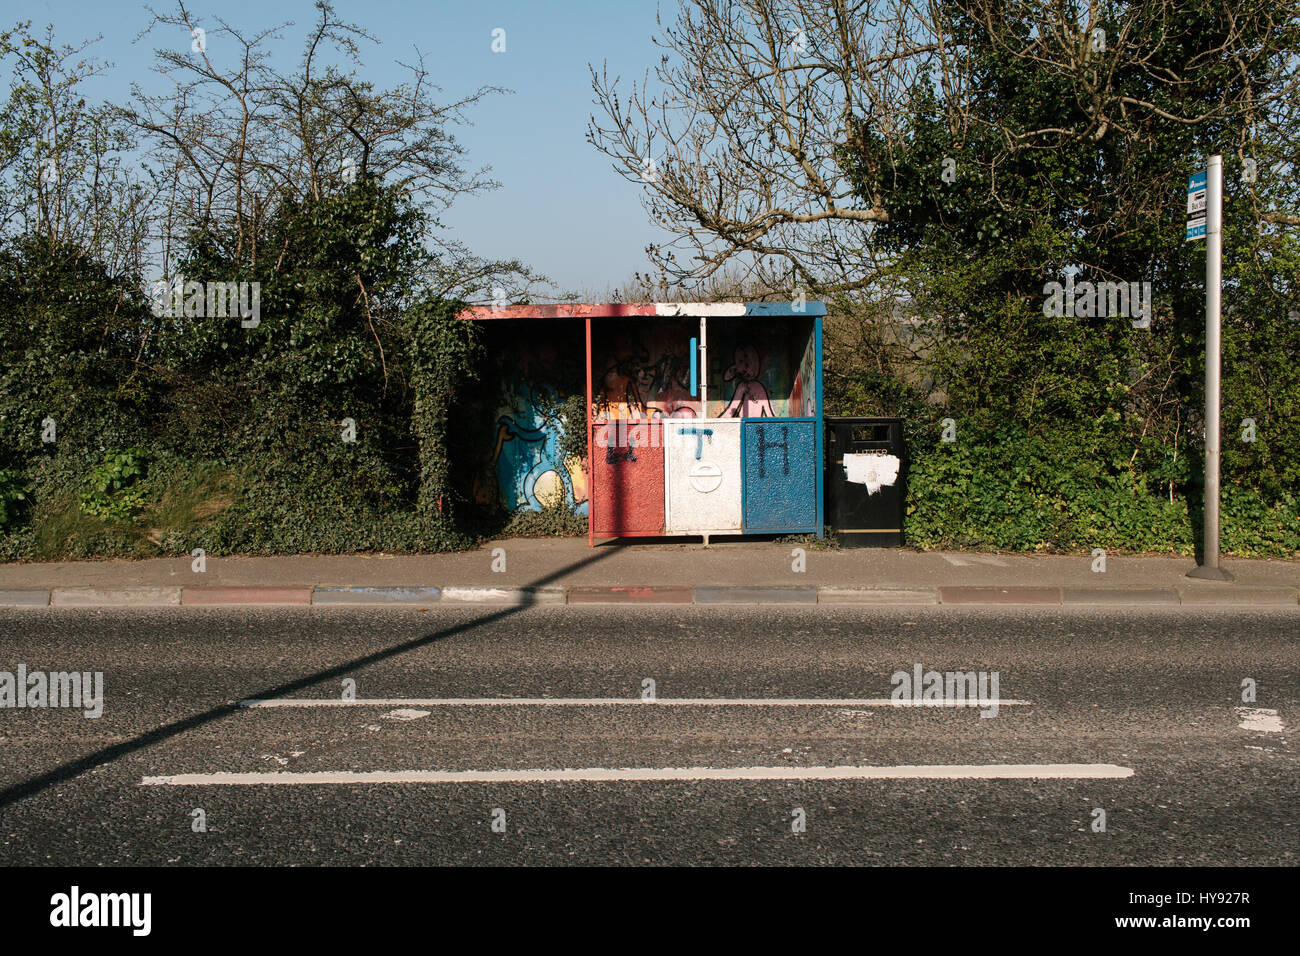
<point x="1210" y="574"/>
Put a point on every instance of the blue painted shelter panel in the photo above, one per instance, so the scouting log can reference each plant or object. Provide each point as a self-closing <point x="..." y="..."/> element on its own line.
<point x="781" y="469"/>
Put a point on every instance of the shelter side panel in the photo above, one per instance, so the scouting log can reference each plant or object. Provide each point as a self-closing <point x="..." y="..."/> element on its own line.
<point x="781" y="474"/>
<point x="628" y="462"/>
<point x="703" y="476"/>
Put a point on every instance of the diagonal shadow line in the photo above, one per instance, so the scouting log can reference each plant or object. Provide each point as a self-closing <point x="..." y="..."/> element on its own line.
<point x="75" y="768"/>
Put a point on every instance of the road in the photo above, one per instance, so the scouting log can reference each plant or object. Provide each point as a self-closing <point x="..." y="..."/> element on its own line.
<point x="1153" y="691"/>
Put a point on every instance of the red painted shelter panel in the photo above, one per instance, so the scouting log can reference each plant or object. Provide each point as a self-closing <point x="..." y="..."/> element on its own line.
<point x="628" y="461"/>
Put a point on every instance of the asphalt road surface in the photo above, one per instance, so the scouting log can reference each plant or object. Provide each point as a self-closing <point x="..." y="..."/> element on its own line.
<point x="1137" y="713"/>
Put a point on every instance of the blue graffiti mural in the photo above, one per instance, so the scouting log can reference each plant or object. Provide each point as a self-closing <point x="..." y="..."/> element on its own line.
<point x="526" y="458"/>
<point x="524" y="455"/>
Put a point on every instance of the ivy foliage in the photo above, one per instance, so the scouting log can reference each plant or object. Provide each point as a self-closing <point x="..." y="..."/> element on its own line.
<point x="70" y="339"/>
<point x="444" y="352"/>
<point x="316" y="426"/>
<point x="1010" y="489"/>
<point x="1077" y="431"/>
<point x="13" y="494"/>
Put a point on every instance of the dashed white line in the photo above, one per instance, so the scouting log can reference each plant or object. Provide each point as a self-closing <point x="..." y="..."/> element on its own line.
<point x="1058" y="771"/>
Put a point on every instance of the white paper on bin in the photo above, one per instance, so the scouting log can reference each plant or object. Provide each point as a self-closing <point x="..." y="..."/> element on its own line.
<point x="874" y="471"/>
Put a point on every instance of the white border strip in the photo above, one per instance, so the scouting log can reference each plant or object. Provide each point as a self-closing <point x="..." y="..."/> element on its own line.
<point x="666" y="309"/>
<point x="1050" y="771"/>
<point x="621" y="701"/>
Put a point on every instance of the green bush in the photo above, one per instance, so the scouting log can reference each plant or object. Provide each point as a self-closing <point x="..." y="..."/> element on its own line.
<point x="241" y="428"/>
<point x="1011" y="489"/>
<point x="114" y="494"/>
<point x="13" y="495"/>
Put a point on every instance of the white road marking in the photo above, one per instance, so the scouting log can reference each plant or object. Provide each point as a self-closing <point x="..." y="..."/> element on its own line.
<point x="408" y="702"/>
<point x="405" y="713"/>
<point x="1261" y="720"/>
<point x="1049" y="771"/>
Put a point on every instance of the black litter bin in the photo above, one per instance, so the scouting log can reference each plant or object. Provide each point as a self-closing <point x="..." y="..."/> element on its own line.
<point x="865" y="489"/>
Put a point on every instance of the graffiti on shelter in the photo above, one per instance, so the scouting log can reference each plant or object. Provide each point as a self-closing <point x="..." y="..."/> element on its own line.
<point x="525" y="452"/>
<point x="802" y="399"/>
<point x="643" y="374"/>
<point x="749" y="397"/>
<point x="761" y="369"/>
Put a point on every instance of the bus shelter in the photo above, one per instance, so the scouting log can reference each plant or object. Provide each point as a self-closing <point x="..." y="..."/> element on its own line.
<point x="702" y="418"/>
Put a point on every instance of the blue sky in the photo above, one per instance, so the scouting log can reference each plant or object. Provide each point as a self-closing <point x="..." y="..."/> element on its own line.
<point x="561" y="208"/>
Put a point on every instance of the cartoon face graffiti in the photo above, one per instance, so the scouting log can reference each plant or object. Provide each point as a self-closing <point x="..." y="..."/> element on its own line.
<point x="749" y="400"/>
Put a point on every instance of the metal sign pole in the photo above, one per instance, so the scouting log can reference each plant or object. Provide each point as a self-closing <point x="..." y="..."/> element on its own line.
<point x="1209" y="567"/>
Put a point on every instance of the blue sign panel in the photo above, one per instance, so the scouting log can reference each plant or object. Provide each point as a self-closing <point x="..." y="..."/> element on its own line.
<point x="779" y="456"/>
<point x="1196" y="194"/>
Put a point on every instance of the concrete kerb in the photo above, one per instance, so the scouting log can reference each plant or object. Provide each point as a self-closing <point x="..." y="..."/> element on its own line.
<point x="887" y="596"/>
<point x="115" y="597"/>
<point x="1235" y="594"/>
<point x="24" y="597"/>
<point x="425" y="596"/>
<point x="384" y="596"/>
<point x="504" y="596"/>
<point x="677" y="594"/>
<point x="755" y="595"/>
<point x="214" y="596"/>
<point x="1113" y="597"/>
<point x="999" y="595"/>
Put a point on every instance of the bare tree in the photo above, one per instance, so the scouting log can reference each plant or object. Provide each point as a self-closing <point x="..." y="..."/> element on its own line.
<point x="740" y="139"/>
<point x="65" y="163"/>
<point x="235" y="136"/>
<point x="736" y="140"/>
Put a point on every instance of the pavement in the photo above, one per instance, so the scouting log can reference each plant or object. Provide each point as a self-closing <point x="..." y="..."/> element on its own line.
<point x="530" y="735"/>
<point x="529" y="571"/>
